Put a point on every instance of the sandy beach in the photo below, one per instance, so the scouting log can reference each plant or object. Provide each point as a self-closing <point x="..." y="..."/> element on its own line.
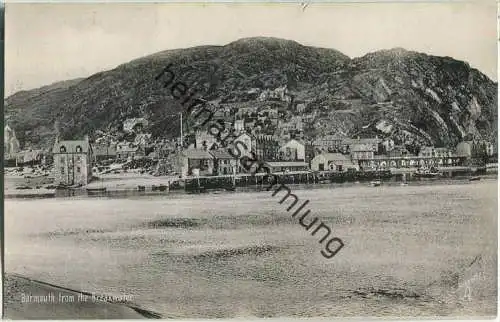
<point x="426" y="251"/>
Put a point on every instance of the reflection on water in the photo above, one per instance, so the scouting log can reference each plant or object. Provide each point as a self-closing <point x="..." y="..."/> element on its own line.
<point x="241" y="254"/>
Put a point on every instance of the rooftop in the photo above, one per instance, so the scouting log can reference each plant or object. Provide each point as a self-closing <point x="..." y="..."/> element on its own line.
<point x="361" y="147"/>
<point x="71" y="146"/>
<point x="362" y="141"/>
<point x="197" y="154"/>
<point x="335" y="157"/>
<point x="221" y="154"/>
<point x="287" y="164"/>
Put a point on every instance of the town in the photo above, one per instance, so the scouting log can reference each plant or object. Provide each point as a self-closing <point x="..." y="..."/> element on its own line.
<point x="278" y="137"/>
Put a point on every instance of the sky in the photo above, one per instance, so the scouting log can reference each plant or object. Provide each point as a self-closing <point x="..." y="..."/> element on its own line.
<point x="46" y="43"/>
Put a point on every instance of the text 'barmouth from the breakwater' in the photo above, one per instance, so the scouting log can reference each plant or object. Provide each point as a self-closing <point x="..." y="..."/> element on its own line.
<point x="62" y="298"/>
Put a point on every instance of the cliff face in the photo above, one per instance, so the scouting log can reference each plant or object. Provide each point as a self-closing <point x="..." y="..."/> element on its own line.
<point x="408" y="96"/>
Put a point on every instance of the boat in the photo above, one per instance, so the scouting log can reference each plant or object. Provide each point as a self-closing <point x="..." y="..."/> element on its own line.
<point x="475" y="179"/>
<point x="427" y="173"/>
<point x="375" y="183"/>
<point x="96" y="190"/>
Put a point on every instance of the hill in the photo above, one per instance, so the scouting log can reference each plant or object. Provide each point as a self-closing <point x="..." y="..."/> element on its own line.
<point x="405" y="95"/>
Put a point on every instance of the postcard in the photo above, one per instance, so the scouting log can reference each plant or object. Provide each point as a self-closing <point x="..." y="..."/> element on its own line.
<point x="250" y="160"/>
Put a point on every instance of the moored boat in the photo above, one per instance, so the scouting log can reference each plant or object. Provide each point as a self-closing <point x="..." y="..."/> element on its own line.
<point x="475" y="179"/>
<point x="375" y="183"/>
<point x="96" y="190"/>
<point x="427" y="173"/>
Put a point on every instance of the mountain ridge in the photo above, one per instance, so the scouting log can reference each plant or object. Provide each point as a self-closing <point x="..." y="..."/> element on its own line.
<point x="414" y="92"/>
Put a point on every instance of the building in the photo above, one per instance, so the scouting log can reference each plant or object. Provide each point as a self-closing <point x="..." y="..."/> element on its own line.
<point x="430" y="151"/>
<point x="249" y="144"/>
<point x="309" y="151"/>
<point x="293" y="150"/>
<point x="126" y="150"/>
<point x="490" y="148"/>
<point x="362" y="151"/>
<point x="193" y="162"/>
<point x="135" y="125"/>
<point x="328" y="143"/>
<point x="287" y="166"/>
<point x="388" y="145"/>
<point x="485" y="148"/>
<point x="239" y="126"/>
<point x="205" y="141"/>
<point x="464" y="149"/>
<point x="475" y="149"/>
<point x="72" y="162"/>
<point x="347" y="144"/>
<point x="266" y="148"/>
<point x="11" y="144"/>
<point x="224" y="163"/>
<point x="300" y="108"/>
<point x="29" y="157"/>
<point x="332" y="162"/>
<point x="104" y="152"/>
<point x="399" y="151"/>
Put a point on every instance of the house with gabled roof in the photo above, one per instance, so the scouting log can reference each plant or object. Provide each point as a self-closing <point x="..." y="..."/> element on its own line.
<point x="72" y="162"/>
<point x="332" y="162"/>
<point x="193" y="162"/>
<point x="224" y="162"/>
<point x="293" y="150"/>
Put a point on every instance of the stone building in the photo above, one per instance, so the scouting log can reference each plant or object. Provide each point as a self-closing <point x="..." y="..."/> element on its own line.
<point x="11" y="144"/>
<point x="73" y="162"/>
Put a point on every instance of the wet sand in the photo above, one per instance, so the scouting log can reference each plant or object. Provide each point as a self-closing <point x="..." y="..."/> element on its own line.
<point x="413" y="251"/>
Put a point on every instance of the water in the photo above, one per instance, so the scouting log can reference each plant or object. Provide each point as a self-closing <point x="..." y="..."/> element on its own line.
<point x="407" y="250"/>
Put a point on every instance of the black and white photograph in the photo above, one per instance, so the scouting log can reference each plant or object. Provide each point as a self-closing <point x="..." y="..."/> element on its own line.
<point x="250" y="160"/>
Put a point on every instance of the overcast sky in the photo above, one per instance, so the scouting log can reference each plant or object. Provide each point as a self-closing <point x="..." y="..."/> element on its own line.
<point x="48" y="43"/>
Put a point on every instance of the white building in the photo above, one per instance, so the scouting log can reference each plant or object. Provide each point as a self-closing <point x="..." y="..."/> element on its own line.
<point x="332" y="162"/>
<point x="293" y="150"/>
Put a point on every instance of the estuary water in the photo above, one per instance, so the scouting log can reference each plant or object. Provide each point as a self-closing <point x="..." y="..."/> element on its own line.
<point x="411" y="251"/>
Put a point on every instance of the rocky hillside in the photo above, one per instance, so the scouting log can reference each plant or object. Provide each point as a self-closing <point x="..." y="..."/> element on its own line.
<point x="409" y="96"/>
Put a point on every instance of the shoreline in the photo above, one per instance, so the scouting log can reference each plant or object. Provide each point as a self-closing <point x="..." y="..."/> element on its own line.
<point x="152" y="190"/>
<point x="18" y="287"/>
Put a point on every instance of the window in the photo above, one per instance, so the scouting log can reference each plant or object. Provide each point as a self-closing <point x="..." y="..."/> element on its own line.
<point x="78" y="170"/>
<point x="78" y="158"/>
<point x="62" y="170"/>
<point x="62" y="149"/>
<point x="78" y="149"/>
